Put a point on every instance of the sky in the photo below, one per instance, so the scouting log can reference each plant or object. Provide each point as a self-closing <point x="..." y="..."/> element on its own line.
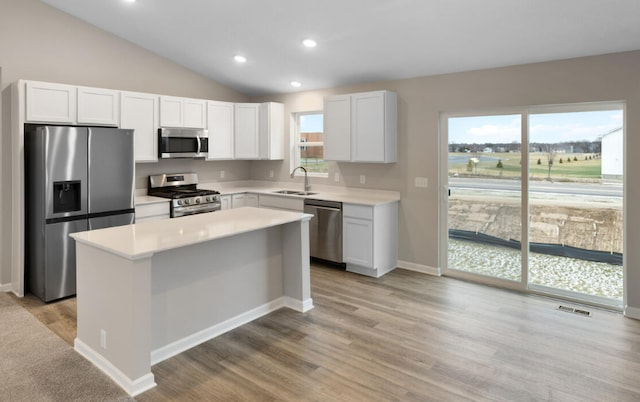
<point x="544" y="128"/>
<point x="311" y="123"/>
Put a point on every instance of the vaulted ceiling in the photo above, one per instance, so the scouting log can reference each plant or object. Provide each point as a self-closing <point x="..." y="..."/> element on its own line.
<point x="360" y="40"/>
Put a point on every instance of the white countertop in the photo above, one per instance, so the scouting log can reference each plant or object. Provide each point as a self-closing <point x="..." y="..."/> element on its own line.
<point x="349" y="196"/>
<point x="143" y="239"/>
<point x="149" y="199"/>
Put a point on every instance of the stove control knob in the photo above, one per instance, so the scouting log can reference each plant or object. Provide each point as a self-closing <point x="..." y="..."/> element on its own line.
<point x="179" y="202"/>
<point x="208" y="199"/>
<point x="187" y="202"/>
<point x="197" y="200"/>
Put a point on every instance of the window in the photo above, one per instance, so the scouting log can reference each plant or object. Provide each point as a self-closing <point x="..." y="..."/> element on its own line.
<point x="308" y="143"/>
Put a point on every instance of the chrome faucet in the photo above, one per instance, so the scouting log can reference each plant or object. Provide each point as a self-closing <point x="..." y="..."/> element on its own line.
<point x="307" y="187"/>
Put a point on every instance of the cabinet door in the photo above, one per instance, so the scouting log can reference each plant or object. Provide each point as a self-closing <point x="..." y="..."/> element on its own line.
<point x="98" y="106"/>
<point x="246" y="117"/>
<point x="225" y="202"/>
<point x="238" y="200"/>
<point x="358" y="241"/>
<point x="367" y="127"/>
<point x="170" y="112"/>
<point x="220" y="126"/>
<point x="337" y="128"/>
<point x="139" y="111"/>
<point x="50" y="103"/>
<point x="251" y="200"/>
<point x="271" y="131"/>
<point x="194" y="112"/>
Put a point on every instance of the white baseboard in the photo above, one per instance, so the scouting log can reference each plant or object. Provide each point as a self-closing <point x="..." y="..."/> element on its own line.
<point x="5" y="287"/>
<point x="297" y="305"/>
<point x="632" y="312"/>
<point x="132" y="387"/>
<point x="206" y="334"/>
<point x="412" y="266"/>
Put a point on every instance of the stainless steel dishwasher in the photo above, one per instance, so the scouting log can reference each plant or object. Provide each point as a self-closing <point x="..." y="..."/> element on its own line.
<point x="325" y="229"/>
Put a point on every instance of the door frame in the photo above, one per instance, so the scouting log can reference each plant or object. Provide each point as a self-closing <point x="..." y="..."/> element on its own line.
<point x="443" y="197"/>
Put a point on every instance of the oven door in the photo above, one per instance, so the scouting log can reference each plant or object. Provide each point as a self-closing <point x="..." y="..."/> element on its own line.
<point x="194" y="209"/>
<point x="182" y="143"/>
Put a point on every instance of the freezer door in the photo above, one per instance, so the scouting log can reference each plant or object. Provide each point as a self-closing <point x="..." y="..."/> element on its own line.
<point x="111" y="169"/>
<point x="65" y="170"/>
<point x="56" y="278"/>
<point x="111" y="220"/>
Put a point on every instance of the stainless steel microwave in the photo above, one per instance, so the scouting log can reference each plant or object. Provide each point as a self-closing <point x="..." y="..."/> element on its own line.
<point x="183" y="143"/>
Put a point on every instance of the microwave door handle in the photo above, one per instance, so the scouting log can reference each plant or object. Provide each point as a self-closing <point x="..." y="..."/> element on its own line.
<point x="199" y="145"/>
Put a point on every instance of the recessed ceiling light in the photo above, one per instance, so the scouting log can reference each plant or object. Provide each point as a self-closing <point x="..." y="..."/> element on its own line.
<point x="296" y="84"/>
<point x="309" y="43"/>
<point x="129" y="1"/>
<point x="240" y="59"/>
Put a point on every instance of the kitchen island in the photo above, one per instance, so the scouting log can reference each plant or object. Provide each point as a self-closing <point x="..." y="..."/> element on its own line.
<point x="149" y="291"/>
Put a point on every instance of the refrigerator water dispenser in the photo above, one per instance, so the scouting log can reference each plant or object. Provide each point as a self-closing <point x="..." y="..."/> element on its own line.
<point x="66" y="196"/>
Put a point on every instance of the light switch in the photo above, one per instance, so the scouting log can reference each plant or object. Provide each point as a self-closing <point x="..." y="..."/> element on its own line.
<point x="363" y="179"/>
<point x="422" y="182"/>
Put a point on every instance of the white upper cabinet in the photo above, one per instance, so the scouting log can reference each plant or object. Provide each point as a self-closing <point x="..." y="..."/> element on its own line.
<point x="50" y="103"/>
<point x="247" y="130"/>
<point x="183" y="112"/>
<point x="271" y="131"/>
<point x="337" y="128"/>
<point x="361" y="127"/>
<point x="220" y="125"/>
<point x="195" y="113"/>
<point x="139" y="111"/>
<point x="374" y="124"/>
<point x="98" y="106"/>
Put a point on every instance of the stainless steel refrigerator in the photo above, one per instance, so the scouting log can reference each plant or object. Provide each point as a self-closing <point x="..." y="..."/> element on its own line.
<point x="77" y="179"/>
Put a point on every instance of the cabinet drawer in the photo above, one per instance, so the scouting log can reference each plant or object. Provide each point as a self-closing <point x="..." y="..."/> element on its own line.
<point x="155" y="209"/>
<point x="358" y="211"/>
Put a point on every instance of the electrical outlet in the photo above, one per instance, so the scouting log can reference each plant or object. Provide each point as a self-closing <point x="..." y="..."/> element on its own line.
<point x="222" y="174"/>
<point x="271" y="173"/>
<point x="336" y="177"/>
<point x="363" y="179"/>
<point x="103" y="339"/>
<point x="422" y="182"/>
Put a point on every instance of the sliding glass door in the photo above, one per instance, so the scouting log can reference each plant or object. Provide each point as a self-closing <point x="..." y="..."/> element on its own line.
<point x="546" y="216"/>
<point x="484" y="195"/>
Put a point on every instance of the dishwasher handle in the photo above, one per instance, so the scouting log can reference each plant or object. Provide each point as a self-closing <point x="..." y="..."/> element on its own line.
<point x="325" y="208"/>
<point x="335" y="205"/>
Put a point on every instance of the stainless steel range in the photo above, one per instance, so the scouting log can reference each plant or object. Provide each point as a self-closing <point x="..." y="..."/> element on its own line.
<point x="186" y="198"/>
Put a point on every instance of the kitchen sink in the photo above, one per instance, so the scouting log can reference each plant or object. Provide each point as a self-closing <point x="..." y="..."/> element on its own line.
<point x="290" y="192"/>
<point x="294" y="192"/>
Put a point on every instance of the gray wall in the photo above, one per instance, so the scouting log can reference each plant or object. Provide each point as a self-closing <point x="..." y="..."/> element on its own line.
<point x="614" y="77"/>
<point x="38" y="42"/>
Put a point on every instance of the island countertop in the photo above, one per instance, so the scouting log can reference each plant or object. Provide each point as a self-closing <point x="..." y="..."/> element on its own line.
<point x="144" y="239"/>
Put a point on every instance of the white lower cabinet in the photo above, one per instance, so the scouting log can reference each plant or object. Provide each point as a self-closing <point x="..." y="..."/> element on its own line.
<point x="239" y="200"/>
<point x="370" y="238"/>
<point x="252" y="200"/>
<point x="153" y="211"/>
<point x="225" y="202"/>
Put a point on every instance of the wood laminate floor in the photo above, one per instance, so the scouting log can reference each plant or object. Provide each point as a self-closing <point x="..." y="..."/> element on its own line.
<point x="402" y="337"/>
